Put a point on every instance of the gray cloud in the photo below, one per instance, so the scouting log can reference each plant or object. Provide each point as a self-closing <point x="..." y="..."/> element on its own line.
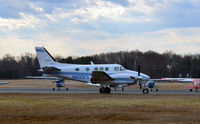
<point x="179" y="14"/>
<point x="108" y="24"/>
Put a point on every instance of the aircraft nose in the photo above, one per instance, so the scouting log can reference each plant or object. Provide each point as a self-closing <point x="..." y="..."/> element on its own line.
<point x="146" y="77"/>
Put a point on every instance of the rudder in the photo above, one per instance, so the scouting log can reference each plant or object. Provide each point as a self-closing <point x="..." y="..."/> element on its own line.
<point x="44" y="58"/>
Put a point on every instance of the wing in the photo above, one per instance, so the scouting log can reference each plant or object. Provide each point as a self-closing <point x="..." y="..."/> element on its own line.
<point x="100" y="77"/>
<point x="179" y="80"/>
<point x="40" y="77"/>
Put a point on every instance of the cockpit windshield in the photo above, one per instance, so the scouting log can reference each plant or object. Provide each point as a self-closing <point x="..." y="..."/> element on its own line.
<point x="119" y="68"/>
<point x="122" y="68"/>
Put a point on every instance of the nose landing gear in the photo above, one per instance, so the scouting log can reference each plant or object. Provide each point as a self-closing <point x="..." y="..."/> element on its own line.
<point x="145" y="91"/>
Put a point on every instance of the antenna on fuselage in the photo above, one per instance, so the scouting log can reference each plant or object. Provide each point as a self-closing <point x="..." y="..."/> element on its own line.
<point x="91" y="62"/>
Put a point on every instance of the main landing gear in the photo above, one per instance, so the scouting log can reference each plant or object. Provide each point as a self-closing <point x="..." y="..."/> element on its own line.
<point x="104" y="90"/>
<point x="60" y="89"/>
<point x="156" y="90"/>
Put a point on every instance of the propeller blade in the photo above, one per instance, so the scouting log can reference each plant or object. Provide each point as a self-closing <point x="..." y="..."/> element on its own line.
<point x="139" y="70"/>
<point x="140" y="85"/>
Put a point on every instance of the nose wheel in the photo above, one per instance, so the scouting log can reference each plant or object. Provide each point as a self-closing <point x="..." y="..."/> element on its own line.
<point x="104" y="90"/>
<point x="145" y="91"/>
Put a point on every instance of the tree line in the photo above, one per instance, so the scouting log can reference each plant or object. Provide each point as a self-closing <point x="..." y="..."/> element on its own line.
<point x="154" y="64"/>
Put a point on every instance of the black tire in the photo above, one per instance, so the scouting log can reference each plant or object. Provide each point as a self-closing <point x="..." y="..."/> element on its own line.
<point x="190" y="90"/>
<point x="107" y="90"/>
<point x="101" y="90"/>
<point x="145" y="91"/>
<point x="67" y="89"/>
<point x="156" y="90"/>
<point x="53" y="89"/>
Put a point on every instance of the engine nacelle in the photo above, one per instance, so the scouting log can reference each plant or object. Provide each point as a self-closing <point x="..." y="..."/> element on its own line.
<point x="151" y="84"/>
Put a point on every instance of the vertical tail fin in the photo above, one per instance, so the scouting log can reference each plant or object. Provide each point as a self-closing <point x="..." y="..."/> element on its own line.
<point x="44" y="58"/>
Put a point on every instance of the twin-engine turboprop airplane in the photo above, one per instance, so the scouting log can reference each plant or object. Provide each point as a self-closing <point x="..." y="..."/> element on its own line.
<point x="105" y="75"/>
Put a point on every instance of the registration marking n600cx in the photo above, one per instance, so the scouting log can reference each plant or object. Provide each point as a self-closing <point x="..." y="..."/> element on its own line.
<point x="80" y="77"/>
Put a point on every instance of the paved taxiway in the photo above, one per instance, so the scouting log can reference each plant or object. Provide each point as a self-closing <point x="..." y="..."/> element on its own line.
<point x="93" y="90"/>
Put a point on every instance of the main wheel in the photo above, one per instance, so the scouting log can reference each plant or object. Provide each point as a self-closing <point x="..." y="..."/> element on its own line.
<point x="156" y="90"/>
<point x="145" y="91"/>
<point x="102" y="90"/>
<point x="190" y="90"/>
<point x="107" y="90"/>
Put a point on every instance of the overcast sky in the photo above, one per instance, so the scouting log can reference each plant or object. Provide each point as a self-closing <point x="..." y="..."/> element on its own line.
<point x="87" y="27"/>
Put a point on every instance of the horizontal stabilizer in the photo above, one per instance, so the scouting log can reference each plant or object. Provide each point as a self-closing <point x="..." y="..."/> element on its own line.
<point x="4" y="82"/>
<point x="100" y="76"/>
<point x="40" y="77"/>
<point x="50" y="69"/>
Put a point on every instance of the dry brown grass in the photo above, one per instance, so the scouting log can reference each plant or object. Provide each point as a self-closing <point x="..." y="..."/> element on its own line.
<point x="53" y="108"/>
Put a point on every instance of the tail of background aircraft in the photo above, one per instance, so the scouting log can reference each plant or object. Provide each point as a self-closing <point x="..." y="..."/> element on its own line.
<point x="44" y="58"/>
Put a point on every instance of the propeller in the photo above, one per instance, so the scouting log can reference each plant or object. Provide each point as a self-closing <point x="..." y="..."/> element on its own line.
<point x="138" y="78"/>
<point x="138" y="70"/>
<point x="139" y="83"/>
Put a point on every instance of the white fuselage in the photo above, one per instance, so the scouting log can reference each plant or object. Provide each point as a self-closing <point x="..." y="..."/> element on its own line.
<point x="83" y="73"/>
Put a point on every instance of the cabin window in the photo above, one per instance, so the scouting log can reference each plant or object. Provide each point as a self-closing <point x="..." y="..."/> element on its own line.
<point x="87" y="69"/>
<point x="77" y="69"/>
<point x="101" y="68"/>
<point x="96" y="68"/>
<point x="116" y="68"/>
<point x="106" y="68"/>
